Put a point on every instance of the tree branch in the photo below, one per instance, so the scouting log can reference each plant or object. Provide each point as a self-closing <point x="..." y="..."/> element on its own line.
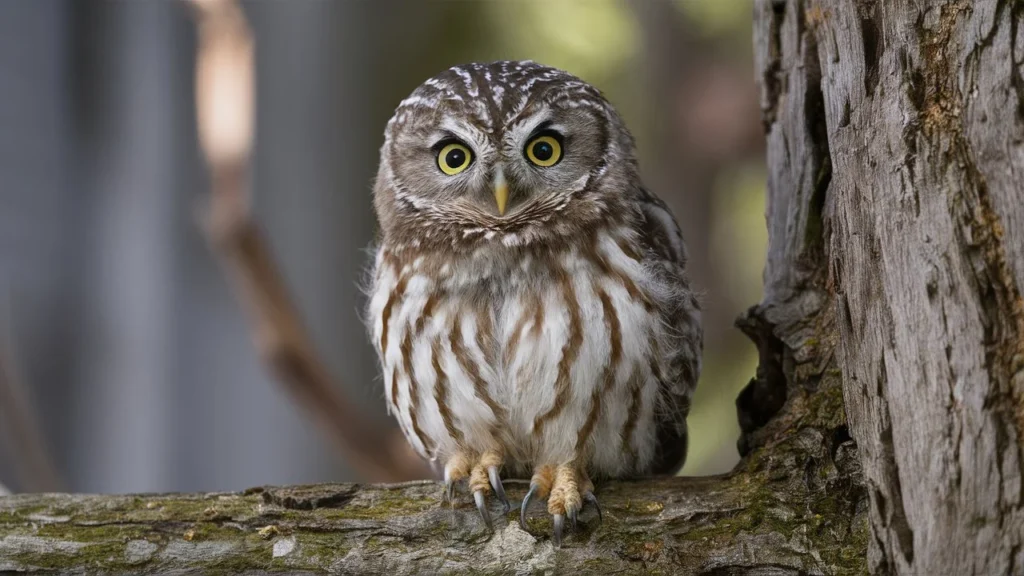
<point x="792" y="510"/>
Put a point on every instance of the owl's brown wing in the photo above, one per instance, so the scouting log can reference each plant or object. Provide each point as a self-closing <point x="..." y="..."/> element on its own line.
<point x="679" y="376"/>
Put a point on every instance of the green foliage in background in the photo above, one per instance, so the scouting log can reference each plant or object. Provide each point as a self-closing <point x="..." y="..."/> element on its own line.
<point x="739" y="239"/>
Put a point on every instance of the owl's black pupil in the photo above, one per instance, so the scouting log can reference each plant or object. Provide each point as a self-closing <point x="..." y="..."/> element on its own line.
<point x="543" y="151"/>
<point x="455" y="158"/>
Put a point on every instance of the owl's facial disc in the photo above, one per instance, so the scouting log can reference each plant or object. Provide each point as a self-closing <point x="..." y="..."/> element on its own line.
<point x="507" y="153"/>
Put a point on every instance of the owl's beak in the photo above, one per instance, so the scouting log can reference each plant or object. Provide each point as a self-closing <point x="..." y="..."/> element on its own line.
<point x="500" y="191"/>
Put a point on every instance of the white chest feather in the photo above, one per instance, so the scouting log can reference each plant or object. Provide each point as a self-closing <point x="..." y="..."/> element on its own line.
<point x="550" y="361"/>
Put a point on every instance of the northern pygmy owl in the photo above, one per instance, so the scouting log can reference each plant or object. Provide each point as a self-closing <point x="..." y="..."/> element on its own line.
<point x="530" y="303"/>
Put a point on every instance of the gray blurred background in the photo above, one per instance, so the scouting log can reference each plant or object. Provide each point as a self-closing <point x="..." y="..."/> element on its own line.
<point x="132" y="352"/>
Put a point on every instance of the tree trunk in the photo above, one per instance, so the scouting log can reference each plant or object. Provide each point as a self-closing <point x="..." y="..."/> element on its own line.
<point x="896" y="142"/>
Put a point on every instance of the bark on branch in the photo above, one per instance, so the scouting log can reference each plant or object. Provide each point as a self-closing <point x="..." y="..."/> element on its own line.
<point x="792" y="510"/>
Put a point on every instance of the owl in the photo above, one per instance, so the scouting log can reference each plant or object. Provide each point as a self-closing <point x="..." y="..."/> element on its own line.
<point x="529" y="299"/>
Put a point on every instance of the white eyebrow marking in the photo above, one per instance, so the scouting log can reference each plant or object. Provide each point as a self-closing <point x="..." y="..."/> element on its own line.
<point x="525" y="126"/>
<point x="466" y="132"/>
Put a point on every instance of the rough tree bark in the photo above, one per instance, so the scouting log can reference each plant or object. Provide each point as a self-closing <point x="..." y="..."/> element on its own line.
<point x="895" y="138"/>
<point x="909" y="119"/>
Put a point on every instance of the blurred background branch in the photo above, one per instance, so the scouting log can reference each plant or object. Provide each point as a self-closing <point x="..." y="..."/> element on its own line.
<point x="224" y="105"/>
<point x="19" y="426"/>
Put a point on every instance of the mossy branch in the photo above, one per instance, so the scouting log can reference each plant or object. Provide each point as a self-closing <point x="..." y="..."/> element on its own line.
<point x="794" y="511"/>
<point x="795" y="505"/>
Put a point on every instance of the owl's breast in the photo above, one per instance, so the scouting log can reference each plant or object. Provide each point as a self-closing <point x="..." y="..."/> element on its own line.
<point x="547" y="358"/>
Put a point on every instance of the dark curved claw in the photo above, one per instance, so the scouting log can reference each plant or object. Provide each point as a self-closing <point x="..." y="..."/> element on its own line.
<point x="449" y="487"/>
<point x="591" y="499"/>
<point x="556" y="537"/>
<point x="499" y="489"/>
<point x="522" y="509"/>
<point x="573" y="514"/>
<point x="481" y="505"/>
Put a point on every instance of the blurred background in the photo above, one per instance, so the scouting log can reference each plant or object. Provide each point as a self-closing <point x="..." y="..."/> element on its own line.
<point x="125" y="346"/>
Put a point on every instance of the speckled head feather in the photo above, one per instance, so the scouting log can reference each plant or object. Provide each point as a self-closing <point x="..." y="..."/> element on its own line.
<point x="495" y="109"/>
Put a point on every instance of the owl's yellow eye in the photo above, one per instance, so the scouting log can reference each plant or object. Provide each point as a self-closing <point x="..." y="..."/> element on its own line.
<point x="454" y="158"/>
<point x="544" y="151"/>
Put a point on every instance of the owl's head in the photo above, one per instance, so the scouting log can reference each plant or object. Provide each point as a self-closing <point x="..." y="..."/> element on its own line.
<point x="509" y="153"/>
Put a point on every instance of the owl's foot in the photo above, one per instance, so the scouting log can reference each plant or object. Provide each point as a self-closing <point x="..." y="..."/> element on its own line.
<point x="456" y="469"/>
<point x="566" y="489"/>
<point x="483" y="477"/>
